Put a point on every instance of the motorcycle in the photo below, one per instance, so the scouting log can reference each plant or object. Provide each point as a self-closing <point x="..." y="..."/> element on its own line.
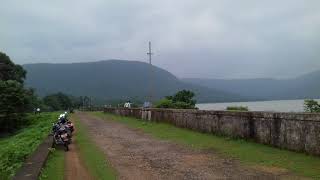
<point x="67" y="124"/>
<point x="60" y="136"/>
<point x="70" y="126"/>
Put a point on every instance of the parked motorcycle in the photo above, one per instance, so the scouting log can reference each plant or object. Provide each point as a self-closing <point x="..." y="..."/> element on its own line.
<point x="70" y="126"/>
<point x="60" y="136"/>
<point x="67" y="124"/>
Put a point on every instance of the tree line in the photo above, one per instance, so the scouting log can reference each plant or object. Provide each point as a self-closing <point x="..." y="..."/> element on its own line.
<point x="16" y="100"/>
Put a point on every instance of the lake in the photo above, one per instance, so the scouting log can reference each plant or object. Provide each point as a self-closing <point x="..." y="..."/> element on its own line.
<point x="277" y="105"/>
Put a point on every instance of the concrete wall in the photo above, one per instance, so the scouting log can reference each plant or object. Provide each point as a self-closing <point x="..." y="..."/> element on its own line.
<point x="293" y="131"/>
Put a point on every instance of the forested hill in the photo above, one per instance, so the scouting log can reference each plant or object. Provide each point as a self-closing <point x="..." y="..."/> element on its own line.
<point x="113" y="80"/>
<point x="306" y="86"/>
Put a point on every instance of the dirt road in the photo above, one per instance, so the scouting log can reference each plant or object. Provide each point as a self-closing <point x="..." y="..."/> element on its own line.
<point x="74" y="167"/>
<point x="136" y="155"/>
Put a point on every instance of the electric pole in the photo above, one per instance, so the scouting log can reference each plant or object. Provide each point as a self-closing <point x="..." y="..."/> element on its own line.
<point x="151" y="73"/>
<point x="150" y="53"/>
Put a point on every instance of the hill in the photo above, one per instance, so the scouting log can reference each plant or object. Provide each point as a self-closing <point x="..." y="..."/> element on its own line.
<point x="306" y="86"/>
<point x="114" y="80"/>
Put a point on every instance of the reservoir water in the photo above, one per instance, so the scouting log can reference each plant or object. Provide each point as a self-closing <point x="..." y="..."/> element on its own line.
<point x="277" y="105"/>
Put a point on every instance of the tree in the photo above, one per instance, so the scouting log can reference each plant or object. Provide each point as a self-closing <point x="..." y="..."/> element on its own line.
<point x="184" y="96"/>
<point x="9" y="70"/>
<point x="13" y="105"/>
<point x="58" y="101"/>
<point x="181" y="100"/>
<point x="14" y="98"/>
<point x="34" y="101"/>
<point x="76" y="101"/>
<point x="311" y="105"/>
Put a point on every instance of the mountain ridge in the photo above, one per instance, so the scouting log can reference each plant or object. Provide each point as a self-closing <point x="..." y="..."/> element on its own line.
<point x="114" y="79"/>
<point x="301" y="87"/>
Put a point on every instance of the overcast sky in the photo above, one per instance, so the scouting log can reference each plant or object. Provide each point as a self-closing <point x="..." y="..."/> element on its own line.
<point x="191" y="38"/>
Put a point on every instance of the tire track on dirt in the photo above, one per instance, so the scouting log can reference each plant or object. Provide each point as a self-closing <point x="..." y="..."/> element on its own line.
<point x="75" y="169"/>
<point x="136" y="155"/>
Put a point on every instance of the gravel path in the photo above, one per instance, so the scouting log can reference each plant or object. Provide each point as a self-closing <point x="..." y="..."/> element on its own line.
<point x="136" y="155"/>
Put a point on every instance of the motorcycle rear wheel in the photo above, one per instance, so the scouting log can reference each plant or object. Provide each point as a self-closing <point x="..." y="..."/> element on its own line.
<point x="66" y="147"/>
<point x="53" y="144"/>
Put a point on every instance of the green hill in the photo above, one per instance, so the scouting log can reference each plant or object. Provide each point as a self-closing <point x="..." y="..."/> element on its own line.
<point x="114" y="80"/>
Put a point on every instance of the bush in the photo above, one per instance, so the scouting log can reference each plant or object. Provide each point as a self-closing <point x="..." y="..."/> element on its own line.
<point x="237" y="108"/>
<point x="311" y="105"/>
<point x="165" y="103"/>
<point x="181" y="100"/>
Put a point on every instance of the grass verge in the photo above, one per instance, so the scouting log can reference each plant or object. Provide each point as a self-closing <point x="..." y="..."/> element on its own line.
<point x="93" y="158"/>
<point x="54" y="168"/>
<point x="247" y="152"/>
<point x="15" y="149"/>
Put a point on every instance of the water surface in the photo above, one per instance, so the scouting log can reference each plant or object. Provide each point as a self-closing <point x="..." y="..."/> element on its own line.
<point x="277" y="105"/>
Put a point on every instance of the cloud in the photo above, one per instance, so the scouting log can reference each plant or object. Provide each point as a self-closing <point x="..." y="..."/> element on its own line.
<point x="207" y="38"/>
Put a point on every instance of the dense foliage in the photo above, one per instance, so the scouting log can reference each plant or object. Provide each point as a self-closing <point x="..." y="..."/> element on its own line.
<point x="58" y="101"/>
<point x="9" y="70"/>
<point x="237" y="108"/>
<point x="15" y="149"/>
<point x="311" y="105"/>
<point x="35" y="102"/>
<point x="15" y="99"/>
<point x="181" y="100"/>
<point x="61" y="101"/>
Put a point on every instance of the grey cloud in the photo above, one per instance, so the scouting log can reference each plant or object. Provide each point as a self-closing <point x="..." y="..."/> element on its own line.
<point x="207" y="38"/>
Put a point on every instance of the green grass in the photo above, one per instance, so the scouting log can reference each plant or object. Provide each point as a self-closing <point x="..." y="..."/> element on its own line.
<point x="93" y="158"/>
<point x="54" y="168"/>
<point x="247" y="152"/>
<point x="15" y="149"/>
